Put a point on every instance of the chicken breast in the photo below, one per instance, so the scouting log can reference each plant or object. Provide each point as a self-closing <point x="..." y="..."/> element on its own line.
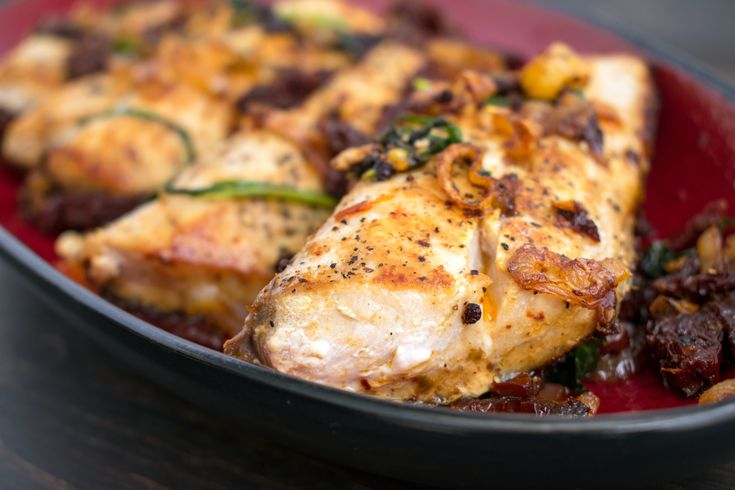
<point x="413" y="289"/>
<point x="36" y="66"/>
<point x="123" y="154"/>
<point x="27" y="137"/>
<point x="137" y="152"/>
<point x="204" y="256"/>
<point x="83" y="43"/>
<point x="177" y="105"/>
<point x="211" y="255"/>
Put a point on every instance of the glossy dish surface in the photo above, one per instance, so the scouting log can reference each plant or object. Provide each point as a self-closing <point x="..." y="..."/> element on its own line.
<point x="690" y="168"/>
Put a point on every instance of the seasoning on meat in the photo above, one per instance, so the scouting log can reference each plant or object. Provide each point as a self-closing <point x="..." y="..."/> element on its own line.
<point x="472" y="313"/>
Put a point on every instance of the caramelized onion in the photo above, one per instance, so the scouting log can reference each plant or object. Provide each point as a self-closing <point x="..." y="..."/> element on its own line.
<point x="584" y="282"/>
<point x="521" y="134"/>
<point x="446" y="160"/>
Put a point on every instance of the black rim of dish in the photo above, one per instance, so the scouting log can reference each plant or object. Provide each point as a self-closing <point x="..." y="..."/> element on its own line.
<point x="423" y="417"/>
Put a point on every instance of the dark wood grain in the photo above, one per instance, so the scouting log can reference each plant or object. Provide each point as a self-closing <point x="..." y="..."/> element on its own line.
<point x="72" y="417"/>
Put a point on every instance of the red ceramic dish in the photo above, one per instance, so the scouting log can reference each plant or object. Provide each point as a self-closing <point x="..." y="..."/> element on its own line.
<point x="693" y="164"/>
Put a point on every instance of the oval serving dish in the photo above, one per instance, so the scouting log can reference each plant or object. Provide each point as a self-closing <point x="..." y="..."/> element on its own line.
<point x="694" y="163"/>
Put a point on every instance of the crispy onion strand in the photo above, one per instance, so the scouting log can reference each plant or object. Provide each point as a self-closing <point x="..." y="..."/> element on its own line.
<point x="470" y="154"/>
<point x="584" y="282"/>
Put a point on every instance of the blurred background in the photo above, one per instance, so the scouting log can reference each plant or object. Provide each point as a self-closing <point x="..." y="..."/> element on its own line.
<point x="703" y="30"/>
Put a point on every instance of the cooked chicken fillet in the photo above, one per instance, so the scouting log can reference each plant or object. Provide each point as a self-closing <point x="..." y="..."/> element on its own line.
<point x="35" y="67"/>
<point x="211" y="256"/>
<point x="26" y="137"/>
<point x="63" y="49"/>
<point x="193" y="71"/>
<point x="403" y="294"/>
<point x="205" y="256"/>
<point x="128" y="154"/>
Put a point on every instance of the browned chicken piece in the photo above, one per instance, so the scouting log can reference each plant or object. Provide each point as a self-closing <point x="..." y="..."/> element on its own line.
<point x="107" y="144"/>
<point x="125" y="152"/>
<point x="198" y="255"/>
<point x="435" y="283"/>
<point x="82" y="43"/>
<point x="210" y="254"/>
<point x="28" y="136"/>
<point x="30" y="71"/>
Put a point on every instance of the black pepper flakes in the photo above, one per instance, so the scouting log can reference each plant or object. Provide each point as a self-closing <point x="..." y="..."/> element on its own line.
<point x="423" y="243"/>
<point x="505" y="246"/>
<point x="472" y="313"/>
<point x="474" y="272"/>
<point x="422" y="258"/>
<point x="353" y="259"/>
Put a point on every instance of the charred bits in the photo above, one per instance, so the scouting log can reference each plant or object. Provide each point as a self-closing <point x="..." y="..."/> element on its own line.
<point x="571" y="214"/>
<point x="472" y="313"/>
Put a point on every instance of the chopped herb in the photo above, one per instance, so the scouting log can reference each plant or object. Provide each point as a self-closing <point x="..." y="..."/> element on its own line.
<point x="498" y="100"/>
<point x="655" y="258"/>
<point x="316" y="19"/>
<point x="585" y="358"/>
<point x="125" y="47"/>
<point x="237" y="189"/>
<point x="369" y="174"/>
<point x="407" y="145"/>
<point x="147" y="116"/>
<point x="435" y="133"/>
<point x="575" y="366"/>
<point x="421" y="83"/>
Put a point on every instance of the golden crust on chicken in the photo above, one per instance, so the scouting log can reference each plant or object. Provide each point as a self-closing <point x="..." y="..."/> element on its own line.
<point x="201" y="255"/>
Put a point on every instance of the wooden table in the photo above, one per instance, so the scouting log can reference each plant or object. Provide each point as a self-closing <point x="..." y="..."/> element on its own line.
<point x="71" y="416"/>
